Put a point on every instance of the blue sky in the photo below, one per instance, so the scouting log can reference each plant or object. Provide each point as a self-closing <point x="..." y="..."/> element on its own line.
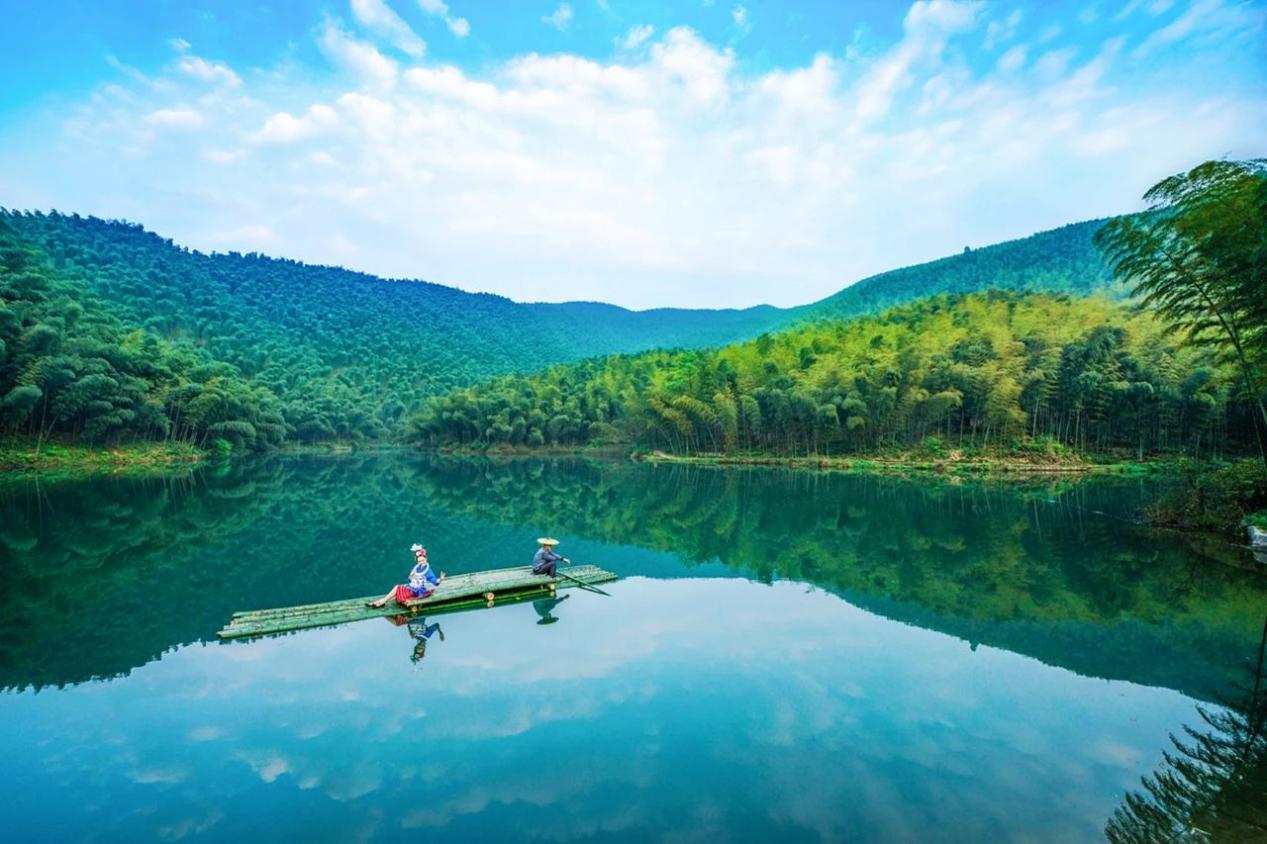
<point x="645" y="153"/>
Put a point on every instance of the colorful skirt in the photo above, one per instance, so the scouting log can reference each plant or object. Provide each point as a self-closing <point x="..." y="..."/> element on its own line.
<point x="404" y="594"/>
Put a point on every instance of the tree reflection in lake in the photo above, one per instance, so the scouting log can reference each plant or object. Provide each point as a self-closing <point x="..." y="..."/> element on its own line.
<point x="656" y="708"/>
<point x="1050" y="570"/>
<point x="1213" y="785"/>
<point x="163" y="562"/>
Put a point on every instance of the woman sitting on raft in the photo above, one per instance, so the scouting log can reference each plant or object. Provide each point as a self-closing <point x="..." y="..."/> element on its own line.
<point x="422" y="582"/>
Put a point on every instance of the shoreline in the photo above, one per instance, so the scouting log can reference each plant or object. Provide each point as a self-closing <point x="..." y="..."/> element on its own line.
<point x="990" y="466"/>
<point x="19" y="459"/>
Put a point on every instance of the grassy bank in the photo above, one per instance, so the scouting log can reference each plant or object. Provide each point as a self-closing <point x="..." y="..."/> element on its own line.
<point x="1225" y="498"/>
<point x="21" y="458"/>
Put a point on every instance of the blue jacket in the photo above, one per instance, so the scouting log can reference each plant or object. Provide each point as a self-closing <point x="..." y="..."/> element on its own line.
<point x="543" y="558"/>
<point x="422" y="579"/>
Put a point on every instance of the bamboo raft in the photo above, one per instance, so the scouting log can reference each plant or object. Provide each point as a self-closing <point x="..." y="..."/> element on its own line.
<point x="457" y="592"/>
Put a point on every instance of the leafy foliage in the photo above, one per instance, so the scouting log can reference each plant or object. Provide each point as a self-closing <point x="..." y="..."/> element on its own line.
<point x="971" y="371"/>
<point x="1200" y="259"/>
<point x="1212" y="497"/>
<point x="347" y="355"/>
<point x="68" y="365"/>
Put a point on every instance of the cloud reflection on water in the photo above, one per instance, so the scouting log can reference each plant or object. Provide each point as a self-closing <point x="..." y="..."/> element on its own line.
<point x="702" y="708"/>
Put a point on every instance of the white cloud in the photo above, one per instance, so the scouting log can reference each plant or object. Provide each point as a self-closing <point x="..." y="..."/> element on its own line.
<point x="223" y="156"/>
<point x="285" y="128"/>
<point x="1055" y="63"/>
<point x="215" y="72"/>
<point x="701" y="71"/>
<point x="365" y="62"/>
<point x="180" y="45"/>
<point x="928" y="26"/>
<point x="460" y="27"/>
<point x="1013" y="60"/>
<point x="1204" y="20"/>
<point x="1127" y="10"/>
<point x="176" y="118"/>
<point x="635" y="37"/>
<point x="739" y="15"/>
<point x="560" y="18"/>
<point x="379" y="18"/>
<point x="671" y="172"/>
<point x="1000" y="31"/>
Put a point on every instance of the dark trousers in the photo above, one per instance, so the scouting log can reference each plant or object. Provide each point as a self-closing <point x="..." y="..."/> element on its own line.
<point x="548" y="568"/>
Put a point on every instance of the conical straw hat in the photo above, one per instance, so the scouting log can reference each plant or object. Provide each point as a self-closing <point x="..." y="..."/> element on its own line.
<point x="545" y="540"/>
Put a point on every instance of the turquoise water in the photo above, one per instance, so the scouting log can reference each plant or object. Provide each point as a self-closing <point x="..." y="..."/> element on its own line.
<point x="788" y="655"/>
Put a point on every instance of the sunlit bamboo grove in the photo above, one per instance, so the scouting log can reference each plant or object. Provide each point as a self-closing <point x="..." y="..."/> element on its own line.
<point x="977" y="371"/>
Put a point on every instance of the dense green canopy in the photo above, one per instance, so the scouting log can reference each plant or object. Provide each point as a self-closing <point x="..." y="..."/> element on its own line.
<point x="1063" y="260"/>
<point x="325" y="353"/>
<point x="345" y="353"/>
<point x="972" y="371"/>
<point x="69" y="365"/>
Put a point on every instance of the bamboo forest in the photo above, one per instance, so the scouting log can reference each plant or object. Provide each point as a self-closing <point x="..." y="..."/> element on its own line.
<point x="947" y="372"/>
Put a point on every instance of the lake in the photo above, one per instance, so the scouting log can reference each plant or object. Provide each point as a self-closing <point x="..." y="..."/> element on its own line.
<point x="788" y="655"/>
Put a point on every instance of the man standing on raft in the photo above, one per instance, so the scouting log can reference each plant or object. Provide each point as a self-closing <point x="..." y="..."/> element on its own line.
<point x="545" y="561"/>
<point x="422" y="582"/>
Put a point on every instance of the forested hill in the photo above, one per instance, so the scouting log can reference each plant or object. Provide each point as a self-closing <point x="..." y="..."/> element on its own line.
<point x="1063" y="260"/>
<point x="960" y="371"/>
<point x="317" y="352"/>
<point x="346" y="352"/>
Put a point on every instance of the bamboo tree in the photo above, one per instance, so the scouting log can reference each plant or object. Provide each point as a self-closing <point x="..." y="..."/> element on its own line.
<point x="1199" y="257"/>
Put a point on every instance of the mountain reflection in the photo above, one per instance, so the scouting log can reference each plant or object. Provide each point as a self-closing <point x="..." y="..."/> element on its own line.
<point x="152" y="564"/>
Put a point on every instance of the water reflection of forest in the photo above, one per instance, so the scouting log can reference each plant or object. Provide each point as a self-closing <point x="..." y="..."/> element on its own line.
<point x="146" y="565"/>
<point x="1212" y="785"/>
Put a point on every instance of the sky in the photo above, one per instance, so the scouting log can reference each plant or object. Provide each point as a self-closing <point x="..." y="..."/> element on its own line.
<point x="704" y="153"/>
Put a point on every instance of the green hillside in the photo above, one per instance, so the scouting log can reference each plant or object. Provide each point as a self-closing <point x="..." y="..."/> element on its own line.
<point x="325" y="352"/>
<point x="973" y="371"/>
<point x="1063" y="260"/>
<point x="69" y="365"/>
<point x="346" y="353"/>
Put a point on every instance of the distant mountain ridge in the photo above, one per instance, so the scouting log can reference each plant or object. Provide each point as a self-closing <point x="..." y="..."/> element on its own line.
<point x="348" y="353"/>
<point x="1063" y="260"/>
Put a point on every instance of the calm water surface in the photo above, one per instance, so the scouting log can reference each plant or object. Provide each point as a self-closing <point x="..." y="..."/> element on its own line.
<point x="788" y="655"/>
